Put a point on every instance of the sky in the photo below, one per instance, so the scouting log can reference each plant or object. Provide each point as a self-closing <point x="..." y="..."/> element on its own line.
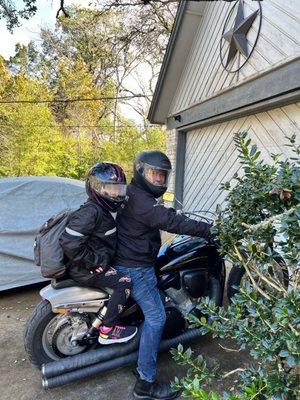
<point x="45" y="17"/>
<point x="29" y="29"/>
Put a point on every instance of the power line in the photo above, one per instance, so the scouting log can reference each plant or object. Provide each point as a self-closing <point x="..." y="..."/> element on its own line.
<point x="74" y="100"/>
<point x="77" y="126"/>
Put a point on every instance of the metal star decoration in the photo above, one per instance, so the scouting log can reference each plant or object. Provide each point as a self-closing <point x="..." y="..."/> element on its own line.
<point x="237" y="36"/>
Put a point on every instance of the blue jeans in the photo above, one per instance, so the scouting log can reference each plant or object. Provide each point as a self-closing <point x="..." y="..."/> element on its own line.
<point x="144" y="291"/>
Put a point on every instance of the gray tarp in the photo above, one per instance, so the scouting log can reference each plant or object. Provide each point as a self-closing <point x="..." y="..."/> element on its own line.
<point x="25" y="204"/>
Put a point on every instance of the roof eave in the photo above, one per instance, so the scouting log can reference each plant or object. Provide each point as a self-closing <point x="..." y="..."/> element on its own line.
<point x="166" y="61"/>
<point x="186" y="23"/>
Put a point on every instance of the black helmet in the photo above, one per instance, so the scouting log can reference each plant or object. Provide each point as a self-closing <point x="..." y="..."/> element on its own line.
<point x="106" y="184"/>
<point x="152" y="169"/>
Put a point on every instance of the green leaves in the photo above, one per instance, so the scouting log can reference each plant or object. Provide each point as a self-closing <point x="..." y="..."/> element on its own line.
<point x="87" y="56"/>
<point x="13" y="14"/>
<point x="259" y="231"/>
<point x="35" y="137"/>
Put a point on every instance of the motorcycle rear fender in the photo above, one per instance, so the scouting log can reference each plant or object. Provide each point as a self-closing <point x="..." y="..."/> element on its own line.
<point x="74" y="296"/>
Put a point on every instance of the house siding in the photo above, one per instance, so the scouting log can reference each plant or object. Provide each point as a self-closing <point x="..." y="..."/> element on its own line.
<point x="204" y="77"/>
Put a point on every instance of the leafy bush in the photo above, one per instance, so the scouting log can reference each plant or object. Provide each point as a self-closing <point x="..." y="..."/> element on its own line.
<point x="259" y="231"/>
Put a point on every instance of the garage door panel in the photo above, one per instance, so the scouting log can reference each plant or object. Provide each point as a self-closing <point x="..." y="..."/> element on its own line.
<point x="212" y="158"/>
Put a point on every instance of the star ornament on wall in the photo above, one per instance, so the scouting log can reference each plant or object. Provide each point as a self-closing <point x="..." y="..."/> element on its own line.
<point x="237" y="35"/>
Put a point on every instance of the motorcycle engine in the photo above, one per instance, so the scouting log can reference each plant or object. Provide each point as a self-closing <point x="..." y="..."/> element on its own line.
<point x="181" y="300"/>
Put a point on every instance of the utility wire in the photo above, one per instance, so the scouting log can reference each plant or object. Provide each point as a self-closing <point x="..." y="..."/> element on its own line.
<point x="73" y="100"/>
<point x="76" y="126"/>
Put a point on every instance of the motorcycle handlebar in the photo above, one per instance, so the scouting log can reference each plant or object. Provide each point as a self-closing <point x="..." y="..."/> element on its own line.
<point x="209" y="219"/>
<point x="200" y="214"/>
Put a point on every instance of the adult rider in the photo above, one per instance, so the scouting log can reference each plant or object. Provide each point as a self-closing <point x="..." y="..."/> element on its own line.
<point x="138" y="243"/>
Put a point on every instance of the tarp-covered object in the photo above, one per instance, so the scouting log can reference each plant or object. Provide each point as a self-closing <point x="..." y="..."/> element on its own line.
<point x="25" y="204"/>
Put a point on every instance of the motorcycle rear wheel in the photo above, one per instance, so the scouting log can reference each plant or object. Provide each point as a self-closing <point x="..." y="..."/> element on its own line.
<point x="37" y="345"/>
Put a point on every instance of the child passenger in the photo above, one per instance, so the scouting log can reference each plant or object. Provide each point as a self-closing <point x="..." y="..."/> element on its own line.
<point x="89" y="242"/>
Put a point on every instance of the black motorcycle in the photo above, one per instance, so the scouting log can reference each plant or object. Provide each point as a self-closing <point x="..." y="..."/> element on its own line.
<point x="60" y="326"/>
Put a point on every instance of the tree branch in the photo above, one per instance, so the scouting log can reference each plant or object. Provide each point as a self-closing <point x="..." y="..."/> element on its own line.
<point x="63" y="10"/>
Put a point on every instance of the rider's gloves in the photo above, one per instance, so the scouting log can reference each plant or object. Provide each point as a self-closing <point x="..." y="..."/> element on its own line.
<point x="105" y="264"/>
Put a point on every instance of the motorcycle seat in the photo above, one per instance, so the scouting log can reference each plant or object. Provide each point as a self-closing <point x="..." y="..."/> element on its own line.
<point x="64" y="283"/>
<point x="68" y="282"/>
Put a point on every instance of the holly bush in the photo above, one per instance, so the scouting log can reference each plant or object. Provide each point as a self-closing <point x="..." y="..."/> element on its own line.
<point x="259" y="231"/>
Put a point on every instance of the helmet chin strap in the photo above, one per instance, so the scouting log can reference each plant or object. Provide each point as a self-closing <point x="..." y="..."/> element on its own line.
<point x="95" y="196"/>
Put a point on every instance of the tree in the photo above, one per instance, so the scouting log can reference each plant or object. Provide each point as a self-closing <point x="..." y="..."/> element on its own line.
<point x="261" y="218"/>
<point x="129" y="142"/>
<point x="147" y="25"/>
<point x="115" y="39"/>
<point x="28" y="148"/>
<point x="12" y="14"/>
<point x="36" y="142"/>
<point x="86" y="56"/>
<point x="146" y="29"/>
<point x="32" y="141"/>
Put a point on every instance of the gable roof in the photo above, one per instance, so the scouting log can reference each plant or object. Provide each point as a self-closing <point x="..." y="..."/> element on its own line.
<point x="187" y="21"/>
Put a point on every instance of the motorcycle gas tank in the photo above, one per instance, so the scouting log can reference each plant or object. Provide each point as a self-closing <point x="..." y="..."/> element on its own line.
<point x="73" y="294"/>
<point x="185" y="252"/>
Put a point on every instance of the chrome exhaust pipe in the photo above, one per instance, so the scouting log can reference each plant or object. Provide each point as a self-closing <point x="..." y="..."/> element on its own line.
<point x="92" y="369"/>
<point x="91" y="357"/>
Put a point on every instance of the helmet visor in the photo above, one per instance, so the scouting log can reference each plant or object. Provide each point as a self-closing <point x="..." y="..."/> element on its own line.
<point x="155" y="175"/>
<point x="110" y="190"/>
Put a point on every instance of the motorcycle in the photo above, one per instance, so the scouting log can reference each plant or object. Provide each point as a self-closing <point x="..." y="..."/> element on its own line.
<point x="60" y="326"/>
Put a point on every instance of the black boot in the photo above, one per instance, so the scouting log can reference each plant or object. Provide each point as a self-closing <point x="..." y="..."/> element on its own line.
<point x="156" y="390"/>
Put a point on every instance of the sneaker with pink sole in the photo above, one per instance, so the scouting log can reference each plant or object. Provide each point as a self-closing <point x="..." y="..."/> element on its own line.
<point x="116" y="334"/>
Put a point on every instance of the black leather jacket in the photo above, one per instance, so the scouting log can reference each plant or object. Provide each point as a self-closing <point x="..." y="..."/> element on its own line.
<point x="89" y="240"/>
<point x="138" y="226"/>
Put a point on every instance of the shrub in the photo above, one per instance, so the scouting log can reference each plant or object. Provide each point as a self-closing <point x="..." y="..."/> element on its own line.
<point x="259" y="231"/>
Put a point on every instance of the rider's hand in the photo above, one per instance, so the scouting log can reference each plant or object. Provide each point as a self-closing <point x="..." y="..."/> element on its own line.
<point x="105" y="263"/>
<point x="97" y="270"/>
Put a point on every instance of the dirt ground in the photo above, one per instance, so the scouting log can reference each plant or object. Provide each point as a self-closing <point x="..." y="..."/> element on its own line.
<point x="21" y="380"/>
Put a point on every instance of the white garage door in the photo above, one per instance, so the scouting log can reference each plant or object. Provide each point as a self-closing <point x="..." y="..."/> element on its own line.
<point x="211" y="157"/>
